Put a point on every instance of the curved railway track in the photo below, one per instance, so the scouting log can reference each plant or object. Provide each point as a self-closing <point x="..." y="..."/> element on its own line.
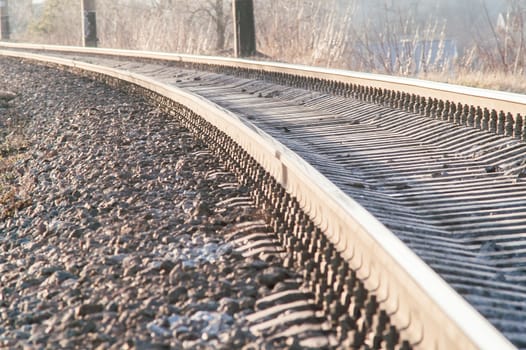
<point x="403" y="199"/>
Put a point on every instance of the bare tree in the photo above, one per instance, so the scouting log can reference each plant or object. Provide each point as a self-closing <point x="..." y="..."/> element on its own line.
<point x="215" y="11"/>
<point x="395" y="40"/>
<point x="57" y="23"/>
<point x="499" y="40"/>
<point x="301" y="31"/>
<point x="193" y="26"/>
<point x="20" y="13"/>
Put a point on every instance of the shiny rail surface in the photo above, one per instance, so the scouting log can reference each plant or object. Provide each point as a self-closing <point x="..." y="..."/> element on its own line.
<point x="499" y="101"/>
<point x="429" y="313"/>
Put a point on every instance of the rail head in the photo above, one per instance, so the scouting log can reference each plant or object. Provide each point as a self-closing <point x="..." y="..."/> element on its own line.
<point x="430" y="314"/>
<point x="491" y="99"/>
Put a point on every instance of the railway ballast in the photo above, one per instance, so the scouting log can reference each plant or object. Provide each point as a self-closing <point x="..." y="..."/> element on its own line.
<point x="440" y="171"/>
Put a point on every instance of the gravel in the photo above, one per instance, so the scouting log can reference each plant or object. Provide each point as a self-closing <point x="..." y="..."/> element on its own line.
<point x="120" y="239"/>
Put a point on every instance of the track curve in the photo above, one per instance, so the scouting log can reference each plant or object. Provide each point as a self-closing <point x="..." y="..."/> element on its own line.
<point x="395" y="174"/>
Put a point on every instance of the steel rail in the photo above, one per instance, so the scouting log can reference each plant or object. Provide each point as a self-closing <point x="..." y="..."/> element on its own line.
<point x="498" y="100"/>
<point x="428" y="312"/>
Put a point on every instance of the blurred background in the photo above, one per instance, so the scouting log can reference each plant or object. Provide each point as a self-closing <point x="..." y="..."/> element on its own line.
<point x="470" y="42"/>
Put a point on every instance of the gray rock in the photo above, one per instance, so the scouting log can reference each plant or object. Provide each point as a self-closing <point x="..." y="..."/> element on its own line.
<point x="246" y="302"/>
<point x="157" y="330"/>
<point x="206" y="305"/>
<point x="58" y="277"/>
<point x="28" y="283"/>
<point x="167" y="266"/>
<point x="89" y="327"/>
<point x="177" y="294"/>
<point x="122" y="232"/>
<point x="6" y="95"/>
<point x="87" y="309"/>
<point x="229" y="306"/>
<point x="272" y="275"/>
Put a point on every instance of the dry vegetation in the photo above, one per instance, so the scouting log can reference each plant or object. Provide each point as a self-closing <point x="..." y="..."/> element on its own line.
<point x="494" y="80"/>
<point x="390" y="37"/>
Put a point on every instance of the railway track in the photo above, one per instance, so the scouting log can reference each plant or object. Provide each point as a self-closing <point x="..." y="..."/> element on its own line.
<point x="441" y="169"/>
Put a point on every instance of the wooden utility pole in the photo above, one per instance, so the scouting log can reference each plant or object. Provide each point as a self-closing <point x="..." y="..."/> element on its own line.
<point x="4" y="20"/>
<point x="244" y="28"/>
<point x="89" y="23"/>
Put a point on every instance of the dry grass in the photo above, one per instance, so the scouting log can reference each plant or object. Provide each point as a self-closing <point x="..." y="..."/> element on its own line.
<point x="320" y="33"/>
<point x="500" y="81"/>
